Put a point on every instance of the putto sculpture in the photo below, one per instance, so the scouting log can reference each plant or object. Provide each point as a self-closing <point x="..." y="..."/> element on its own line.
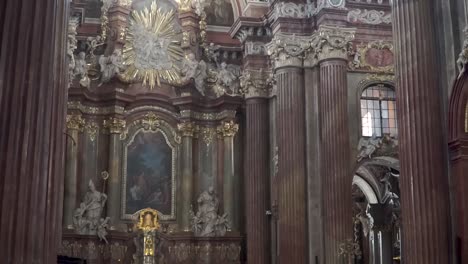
<point x="87" y="218"/>
<point x="206" y="222"/>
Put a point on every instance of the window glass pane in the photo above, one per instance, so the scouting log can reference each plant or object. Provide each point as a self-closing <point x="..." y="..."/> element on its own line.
<point x="384" y="104"/>
<point x="370" y="104"/>
<point x="384" y="122"/>
<point x="384" y="113"/>
<point x="376" y="105"/>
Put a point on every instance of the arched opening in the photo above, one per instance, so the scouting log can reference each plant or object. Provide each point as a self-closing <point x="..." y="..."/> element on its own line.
<point x="377" y="225"/>
<point x="458" y="145"/>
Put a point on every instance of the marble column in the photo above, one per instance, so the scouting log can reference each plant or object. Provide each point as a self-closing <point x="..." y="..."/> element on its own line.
<point x="228" y="130"/>
<point x="334" y="144"/>
<point x="187" y="129"/>
<point x="291" y="181"/>
<point x="257" y="169"/>
<point x="423" y="154"/>
<point x="75" y="124"/>
<point x="33" y="92"/>
<point x="115" y="127"/>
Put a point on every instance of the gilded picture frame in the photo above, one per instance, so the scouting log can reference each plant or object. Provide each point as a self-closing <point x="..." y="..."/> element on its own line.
<point x="154" y="128"/>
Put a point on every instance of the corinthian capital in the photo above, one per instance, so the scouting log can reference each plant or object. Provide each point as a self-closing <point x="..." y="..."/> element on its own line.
<point x="75" y="122"/>
<point x="256" y="83"/>
<point x="115" y="125"/>
<point x="333" y="42"/>
<point x="228" y="129"/>
<point x="188" y="129"/>
<point x="288" y="50"/>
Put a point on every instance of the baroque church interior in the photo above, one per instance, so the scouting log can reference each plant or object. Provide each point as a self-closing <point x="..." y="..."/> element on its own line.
<point x="234" y="131"/>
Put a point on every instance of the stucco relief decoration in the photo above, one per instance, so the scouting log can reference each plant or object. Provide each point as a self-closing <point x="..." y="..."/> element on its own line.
<point x="375" y="56"/>
<point x="71" y="47"/>
<point x="149" y="167"/>
<point x="287" y="49"/>
<point x="466" y="118"/>
<point x="151" y="50"/>
<point x="293" y="10"/>
<point x="371" y="17"/>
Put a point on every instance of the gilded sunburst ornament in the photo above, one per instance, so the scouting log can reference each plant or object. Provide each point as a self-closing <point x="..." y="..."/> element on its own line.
<point x="151" y="51"/>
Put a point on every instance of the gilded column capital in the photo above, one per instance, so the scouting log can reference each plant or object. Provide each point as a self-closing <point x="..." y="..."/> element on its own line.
<point x="288" y="50"/>
<point x="256" y="83"/>
<point x="228" y="129"/>
<point x="332" y="42"/>
<point x="349" y="249"/>
<point x="75" y="122"/>
<point x="188" y="129"/>
<point x="115" y="125"/>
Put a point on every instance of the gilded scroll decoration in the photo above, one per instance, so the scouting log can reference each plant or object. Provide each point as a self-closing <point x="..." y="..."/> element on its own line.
<point x="207" y="134"/>
<point x="349" y="250"/>
<point x="92" y="128"/>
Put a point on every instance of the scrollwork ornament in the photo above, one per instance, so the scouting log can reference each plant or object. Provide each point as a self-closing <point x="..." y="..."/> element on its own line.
<point x="75" y="122"/>
<point x="256" y="83"/>
<point x="115" y="125"/>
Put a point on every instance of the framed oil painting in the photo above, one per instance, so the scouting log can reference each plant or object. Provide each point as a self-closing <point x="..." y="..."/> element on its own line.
<point x="149" y="169"/>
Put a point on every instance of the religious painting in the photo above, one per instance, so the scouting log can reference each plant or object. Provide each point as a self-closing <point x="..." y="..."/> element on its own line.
<point x="220" y="13"/>
<point x="379" y="57"/>
<point x="149" y="173"/>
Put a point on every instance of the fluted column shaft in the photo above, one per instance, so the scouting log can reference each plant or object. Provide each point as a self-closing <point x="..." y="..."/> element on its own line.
<point x="33" y="87"/>
<point x="75" y="124"/>
<point x="257" y="186"/>
<point x="114" y="183"/>
<point x="228" y="130"/>
<point x="188" y="130"/>
<point x="335" y="164"/>
<point x="424" y="180"/>
<point x="292" y="211"/>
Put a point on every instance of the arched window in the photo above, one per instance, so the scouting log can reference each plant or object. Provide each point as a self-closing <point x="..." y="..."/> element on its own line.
<point x="378" y="111"/>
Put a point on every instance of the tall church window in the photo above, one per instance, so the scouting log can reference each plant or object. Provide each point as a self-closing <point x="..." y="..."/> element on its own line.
<point x="378" y="111"/>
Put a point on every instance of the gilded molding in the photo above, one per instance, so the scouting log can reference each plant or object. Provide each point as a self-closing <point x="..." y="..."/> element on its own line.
<point x="152" y="122"/>
<point x="92" y="128"/>
<point x="75" y="122"/>
<point x="333" y="42"/>
<point x="256" y="83"/>
<point x="228" y="129"/>
<point x="115" y="125"/>
<point x="208" y="116"/>
<point x="75" y="105"/>
<point x="188" y="129"/>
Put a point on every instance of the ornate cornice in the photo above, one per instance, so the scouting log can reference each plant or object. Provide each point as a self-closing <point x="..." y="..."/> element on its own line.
<point x="188" y="129"/>
<point x="257" y="83"/>
<point x="293" y="10"/>
<point x="228" y="129"/>
<point x="115" y="125"/>
<point x="214" y="116"/>
<point x="75" y="122"/>
<point x="333" y="42"/>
